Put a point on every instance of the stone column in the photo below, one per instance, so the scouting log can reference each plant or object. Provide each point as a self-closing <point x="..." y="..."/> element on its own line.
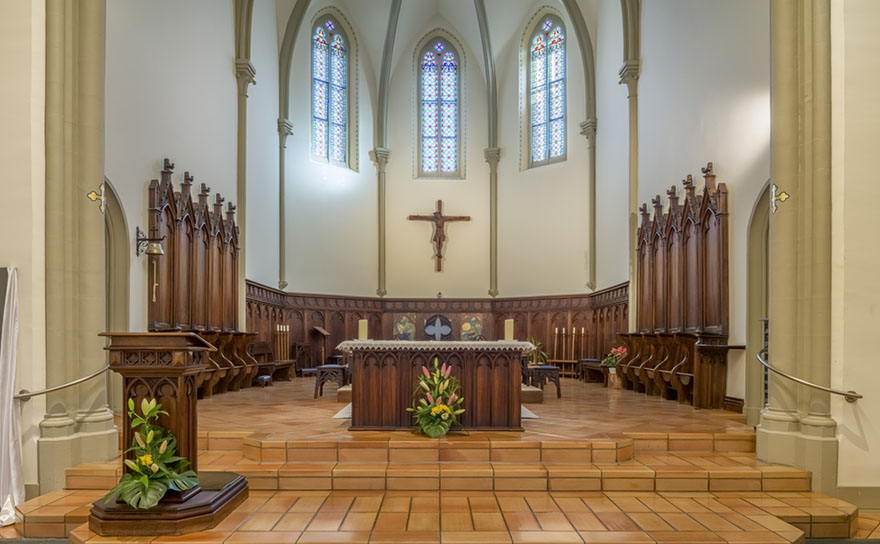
<point x="380" y="156"/>
<point x="629" y="75"/>
<point x="796" y="426"/>
<point x="78" y="426"/>
<point x="588" y="130"/>
<point x="285" y="129"/>
<point x="244" y="76"/>
<point x="493" y="155"/>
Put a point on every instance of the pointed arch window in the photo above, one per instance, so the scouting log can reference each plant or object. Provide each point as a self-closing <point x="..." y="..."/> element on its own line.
<point x="330" y="108"/>
<point x="546" y="88"/>
<point x="439" y="110"/>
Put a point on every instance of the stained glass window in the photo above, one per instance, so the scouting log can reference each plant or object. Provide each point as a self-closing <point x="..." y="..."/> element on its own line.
<point x="546" y="80"/>
<point x="329" y="94"/>
<point x="439" y="86"/>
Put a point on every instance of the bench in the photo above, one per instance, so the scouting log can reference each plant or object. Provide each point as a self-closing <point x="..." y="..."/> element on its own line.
<point x="279" y="370"/>
<point x="592" y="370"/>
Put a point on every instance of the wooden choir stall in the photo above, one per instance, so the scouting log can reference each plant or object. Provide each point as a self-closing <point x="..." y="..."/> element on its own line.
<point x="680" y="346"/>
<point x="385" y="373"/>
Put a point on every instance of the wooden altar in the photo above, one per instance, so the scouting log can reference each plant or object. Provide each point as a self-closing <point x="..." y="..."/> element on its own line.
<point x="385" y="373"/>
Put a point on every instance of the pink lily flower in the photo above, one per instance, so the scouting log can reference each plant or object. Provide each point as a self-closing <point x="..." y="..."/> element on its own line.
<point x="448" y="372"/>
<point x="452" y="398"/>
<point x="425" y="372"/>
<point x="443" y="369"/>
<point x="430" y="398"/>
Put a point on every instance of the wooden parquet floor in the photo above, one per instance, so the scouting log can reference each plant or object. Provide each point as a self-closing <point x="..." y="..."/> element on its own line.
<point x="288" y="411"/>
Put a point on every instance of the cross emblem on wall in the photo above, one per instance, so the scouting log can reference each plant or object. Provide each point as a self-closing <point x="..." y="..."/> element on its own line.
<point x="437" y="329"/>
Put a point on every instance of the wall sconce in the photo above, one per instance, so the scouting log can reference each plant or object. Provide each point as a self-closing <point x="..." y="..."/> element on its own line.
<point x="150" y="246"/>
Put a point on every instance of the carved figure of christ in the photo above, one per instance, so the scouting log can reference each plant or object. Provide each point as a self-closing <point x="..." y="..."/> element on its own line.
<point x="439" y="238"/>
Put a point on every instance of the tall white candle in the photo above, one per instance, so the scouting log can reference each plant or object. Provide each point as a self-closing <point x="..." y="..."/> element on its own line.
<point x="508" y="329"/>
<point x="362" y="329"/>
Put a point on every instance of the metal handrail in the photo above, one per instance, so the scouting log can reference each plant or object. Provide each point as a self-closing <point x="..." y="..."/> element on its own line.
<point x="25" y="395"/>
<point x="850" y="396"/>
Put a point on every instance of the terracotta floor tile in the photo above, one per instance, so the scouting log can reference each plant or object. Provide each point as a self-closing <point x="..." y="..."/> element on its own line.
<point x="553" y="521"/>
<point x="326" y="521"/>
<point x="202" y="537"/>
<point x="405" y="537"/>
<point x="649" y="521"/>
<point x="423" y="521"/>
<point x="456" y="521"/>
<point x="294" y="521"/>
<point x="475" y="537"/>
<point x="391" y="521"/>
<point x="545" y="537"/>
<point x="243" y="537"/>
<point x="261" y="522"/>
<point x="316" y="537"/>
<point x="488" y="521"/>
<point x="622" y="537"/>
<point x="521" y="521"/>
<point x="359" y="521"/>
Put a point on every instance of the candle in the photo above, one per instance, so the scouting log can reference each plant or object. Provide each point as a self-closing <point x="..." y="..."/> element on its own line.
<point x="362" y="329"/>
<point x="508" y="329"/>
<point x="556" y="331"/>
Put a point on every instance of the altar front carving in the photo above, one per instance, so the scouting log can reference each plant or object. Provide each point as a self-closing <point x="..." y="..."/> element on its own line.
<point x="385" y="373"/>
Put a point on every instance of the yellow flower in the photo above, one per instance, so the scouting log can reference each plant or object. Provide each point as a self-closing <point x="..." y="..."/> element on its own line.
<point x="439" y="409"/>
<point x="146" y="459"/>
<point x="465" y="326"/>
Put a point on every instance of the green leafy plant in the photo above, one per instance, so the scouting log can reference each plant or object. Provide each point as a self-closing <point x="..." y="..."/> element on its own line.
<point x="539" y="356"/>
<point x="155" y="469"/>
<point x="436" y="404"/>
<point x="615" y="355"/>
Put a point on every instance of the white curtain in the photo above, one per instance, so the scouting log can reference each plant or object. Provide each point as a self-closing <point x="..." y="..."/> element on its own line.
<point x="11" y="481"/>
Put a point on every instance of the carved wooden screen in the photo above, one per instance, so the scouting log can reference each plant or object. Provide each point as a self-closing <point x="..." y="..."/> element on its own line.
<point x="683" y="263"/>
<point x="194" y="285"/>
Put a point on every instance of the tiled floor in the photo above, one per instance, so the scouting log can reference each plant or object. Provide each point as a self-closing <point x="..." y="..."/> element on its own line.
<point x="287" y="410"/>
<point x="486" y="518"/>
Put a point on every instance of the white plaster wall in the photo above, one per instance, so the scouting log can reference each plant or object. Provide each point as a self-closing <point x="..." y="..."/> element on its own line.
<point x="331" y="211"/>
<point x="704" y="96"/>
<point x="22" y="206"/>
<point x="855" y="297"/>
<point x="612" y="151"/>
<point x="170" y="92"/>
<point x="543" y="212"/>
<point x="410" y="252"/>
<point x="262" y="149"/>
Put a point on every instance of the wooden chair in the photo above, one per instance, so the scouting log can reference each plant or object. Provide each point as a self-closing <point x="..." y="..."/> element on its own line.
<point x="326" y="373"/>
<point x="546" y="373"/>
<point x="667" y="345"/>
<point x="681" y="374"/>
<point x="526" y="377"/>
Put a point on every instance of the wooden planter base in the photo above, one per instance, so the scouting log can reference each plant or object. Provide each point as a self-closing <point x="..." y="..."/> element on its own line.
<point x="219" y="494"/>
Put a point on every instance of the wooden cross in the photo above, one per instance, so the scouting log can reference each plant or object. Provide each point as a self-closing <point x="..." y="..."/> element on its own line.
<point x="439" y="238"/>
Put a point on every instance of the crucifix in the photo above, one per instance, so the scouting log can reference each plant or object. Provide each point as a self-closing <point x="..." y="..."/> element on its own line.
<point x="439" y="221"/>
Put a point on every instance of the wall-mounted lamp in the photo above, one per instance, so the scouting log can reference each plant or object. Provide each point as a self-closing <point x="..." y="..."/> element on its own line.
<point x="150" y="246"/>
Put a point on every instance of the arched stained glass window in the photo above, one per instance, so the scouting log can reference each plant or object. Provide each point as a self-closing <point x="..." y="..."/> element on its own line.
<point x="329" y="93"/>
<point x="546" y="86"/>
<point x="439" y="83"/>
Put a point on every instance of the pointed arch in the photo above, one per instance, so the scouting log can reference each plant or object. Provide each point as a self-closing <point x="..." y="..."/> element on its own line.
<point x="334" y="104"/>
<point x="439" y="89"/>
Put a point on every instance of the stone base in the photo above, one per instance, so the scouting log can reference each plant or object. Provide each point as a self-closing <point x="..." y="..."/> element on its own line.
<point x="531" y="395"/>
<point x="343" y="394"/>
<point x="220" y="493"/>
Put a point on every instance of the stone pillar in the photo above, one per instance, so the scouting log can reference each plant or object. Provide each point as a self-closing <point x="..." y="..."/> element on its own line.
<point x="244" y="76"/>
<point x="629" y="75"/>
<point x="588" y="130"/>
<point x="380" y="156"/>
<point x="285" y="129"/>
<point x="78" y="426"/>
<point x="493" y="155"/>
<point x="796" y="426"/>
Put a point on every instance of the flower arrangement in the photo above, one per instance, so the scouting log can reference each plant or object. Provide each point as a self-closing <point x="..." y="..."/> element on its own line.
<point x="615" y="355"/>
<point x="538" y="356"/>
<point x="439" y="406"/>
<point x="155" y="469"/>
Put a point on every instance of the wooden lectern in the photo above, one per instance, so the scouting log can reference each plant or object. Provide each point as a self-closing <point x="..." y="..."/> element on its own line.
<point x="165" y="366"/>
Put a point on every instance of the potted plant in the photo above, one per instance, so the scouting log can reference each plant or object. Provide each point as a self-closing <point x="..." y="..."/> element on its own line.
<point x="538" y="356"/>
<point x="155" y="469"/>
<point x="436" y="404"/>
<point x="610" y="361"/>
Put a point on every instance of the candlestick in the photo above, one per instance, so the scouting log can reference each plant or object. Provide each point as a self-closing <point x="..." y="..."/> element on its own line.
<point x="508" y="329"/>
<point x="362" y="329"/>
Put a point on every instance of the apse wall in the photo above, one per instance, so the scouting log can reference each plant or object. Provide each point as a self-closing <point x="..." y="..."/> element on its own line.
<point x="261" y="234"/>
<point x="855" y="46"/>
<point x="332" y="212"/>
<point x="170" y="92"/>
<point x="22" y="208"/>
<point x="612" y="151"/>
<point x="704" y="95"/>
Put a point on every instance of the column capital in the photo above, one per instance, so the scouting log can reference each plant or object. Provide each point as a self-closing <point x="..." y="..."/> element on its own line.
<point x="629" y="75"/>
<point x="380" y="156"/>
<point x="285" y="129"/>
<point x="245" y="75"/>
<point x="493" y="155"/>
<point x="588" y="130"/>
<point x="282" y="285"/>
